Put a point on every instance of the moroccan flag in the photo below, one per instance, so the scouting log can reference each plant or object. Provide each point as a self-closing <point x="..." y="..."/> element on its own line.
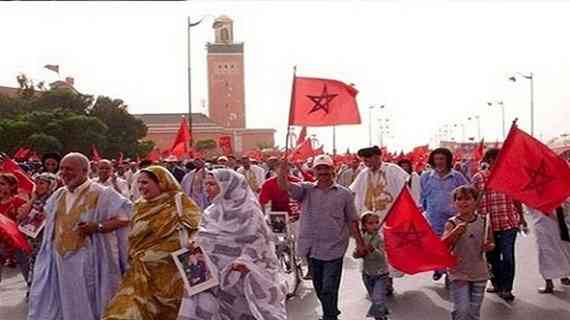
<point x="25" y="183"/>
<point x="180" y="145"/>
<point x="225" y="143"/>
<point x="10" y="234"/>
<point x="411" y="245"/>
<point x="52" y="67"/>
<point x="302" y="136"/>
<point x="302" y="152"/>
<point x="530" y="172"/>
<point x="323" y="102"/>
<point x="94" y="153"/>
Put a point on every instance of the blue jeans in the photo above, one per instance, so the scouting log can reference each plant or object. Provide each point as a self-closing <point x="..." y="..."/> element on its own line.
<point x="467" y="298"/>
<point x="326" y="281"/>
<point x="502" y="260"/>
<point x="376" y="288"/>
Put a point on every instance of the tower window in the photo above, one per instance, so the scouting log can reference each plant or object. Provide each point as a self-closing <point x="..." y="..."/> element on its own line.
<point x="225" y="35"/>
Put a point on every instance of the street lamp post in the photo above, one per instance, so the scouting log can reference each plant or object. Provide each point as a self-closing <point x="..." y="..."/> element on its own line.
<point x="462" y="130"/>
<point x="191" y="24"/>
<point x="370" y="122"/>
<point x="478" y="118"/>
<point x="384" y="129"/>
<point x="502" y="105"/>
<point x="530" y="77"/>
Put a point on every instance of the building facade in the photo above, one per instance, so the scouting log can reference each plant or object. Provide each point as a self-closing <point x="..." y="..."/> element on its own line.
<point x="226" y="101"/>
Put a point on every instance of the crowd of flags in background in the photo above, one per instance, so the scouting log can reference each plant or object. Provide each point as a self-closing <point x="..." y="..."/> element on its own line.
<point x="526" y="169"/>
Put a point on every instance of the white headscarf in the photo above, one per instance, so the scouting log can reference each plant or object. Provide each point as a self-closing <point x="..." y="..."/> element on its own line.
<point x="233" y="230"/>
<point x="234" y="209"/>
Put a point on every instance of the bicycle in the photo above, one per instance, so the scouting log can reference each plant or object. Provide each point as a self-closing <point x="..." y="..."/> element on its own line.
<point x="285" y="251"/>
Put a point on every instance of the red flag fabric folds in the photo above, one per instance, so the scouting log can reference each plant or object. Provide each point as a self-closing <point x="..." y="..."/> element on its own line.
<point x="25" y="183"/>
<point x="22" y="154"/>
<point x="180" y="145"/>
<point x="530" y="172"/>
<point x="10" y="234"/>
<point x="323" y="102"/>
<point x="302" y="152"/>
<point x="411" y="245"/>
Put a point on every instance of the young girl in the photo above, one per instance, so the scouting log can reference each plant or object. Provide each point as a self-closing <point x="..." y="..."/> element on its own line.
<point x="374" y="266"/>
<point x="465" y="235"/>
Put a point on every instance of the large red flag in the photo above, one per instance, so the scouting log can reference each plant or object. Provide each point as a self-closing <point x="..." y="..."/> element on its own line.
<point x="530" y="172"/>
<point x="302" y="152"/>
<point x="9" y="233"/>
<point x="323" y="102"/>
<point x="180" y="145"/>
<point x="25" y="183"/>
<point x="411" y="245"/>
<point x="94" y="153"/>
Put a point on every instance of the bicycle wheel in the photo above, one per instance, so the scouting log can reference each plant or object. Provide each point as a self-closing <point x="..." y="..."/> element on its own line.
<point x="289" y="267"/>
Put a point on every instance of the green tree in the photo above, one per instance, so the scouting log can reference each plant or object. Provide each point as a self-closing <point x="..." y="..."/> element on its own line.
<point x="41" y="142"/>
<point x="62" y="119"/>
<point x="145" y="147"/>
<point x="124" y="130"/>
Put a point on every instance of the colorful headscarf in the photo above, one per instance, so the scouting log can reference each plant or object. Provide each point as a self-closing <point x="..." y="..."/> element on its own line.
<point x="166" y="181"/>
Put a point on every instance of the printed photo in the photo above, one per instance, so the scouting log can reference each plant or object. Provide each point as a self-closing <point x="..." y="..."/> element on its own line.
<point x="278" y="221"/>
<point x="33" y="223"/>
<point x="196" y="269"/>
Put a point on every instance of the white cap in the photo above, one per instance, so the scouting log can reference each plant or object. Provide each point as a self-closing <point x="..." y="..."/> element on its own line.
<point x="323" y="159"/>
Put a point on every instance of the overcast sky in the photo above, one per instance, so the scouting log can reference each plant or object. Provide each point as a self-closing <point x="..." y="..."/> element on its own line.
<point x="430" y="64"/>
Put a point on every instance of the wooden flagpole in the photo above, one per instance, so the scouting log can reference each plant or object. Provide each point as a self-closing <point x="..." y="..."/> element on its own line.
<point x="290" y="111"/>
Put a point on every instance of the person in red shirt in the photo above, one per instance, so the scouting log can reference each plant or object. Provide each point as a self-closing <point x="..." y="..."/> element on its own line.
<point x="280" y="201"/>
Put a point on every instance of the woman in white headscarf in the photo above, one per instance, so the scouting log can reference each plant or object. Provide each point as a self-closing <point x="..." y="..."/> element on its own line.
<point x="235" y="236"/>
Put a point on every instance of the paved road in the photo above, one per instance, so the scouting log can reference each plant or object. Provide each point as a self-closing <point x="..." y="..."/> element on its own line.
<point x="417" y="297"/>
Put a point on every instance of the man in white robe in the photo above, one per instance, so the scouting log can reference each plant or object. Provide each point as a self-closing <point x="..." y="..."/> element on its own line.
<point x="254" y="174"/>
<point x="107" y="177"/>
<point x="553" y="252"/>
<point x="84" y="250"/>
<point x="376" y="188"/>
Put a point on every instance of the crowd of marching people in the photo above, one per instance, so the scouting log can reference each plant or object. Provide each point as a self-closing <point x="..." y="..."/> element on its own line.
<point x="105" y="230"/>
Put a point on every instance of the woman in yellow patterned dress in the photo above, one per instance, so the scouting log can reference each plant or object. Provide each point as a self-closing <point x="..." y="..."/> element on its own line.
<point x="152" y="288"/>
